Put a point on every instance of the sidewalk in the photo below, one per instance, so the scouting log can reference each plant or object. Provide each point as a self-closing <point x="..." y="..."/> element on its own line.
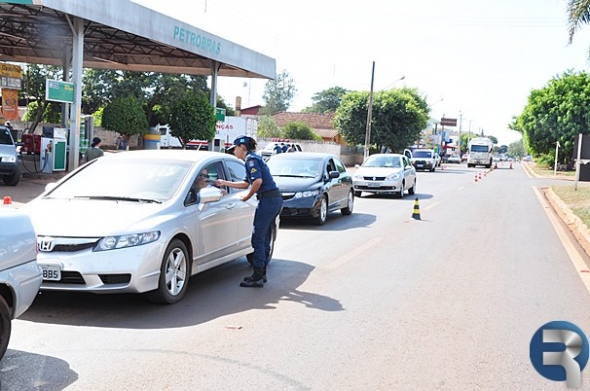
<point x="578" y="228"/>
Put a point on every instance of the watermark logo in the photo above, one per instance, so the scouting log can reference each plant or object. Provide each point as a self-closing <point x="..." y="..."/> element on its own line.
<point x="559" y="351"/>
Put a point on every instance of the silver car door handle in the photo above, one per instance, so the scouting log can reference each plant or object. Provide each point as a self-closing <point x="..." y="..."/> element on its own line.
<point x="230" y="205"/>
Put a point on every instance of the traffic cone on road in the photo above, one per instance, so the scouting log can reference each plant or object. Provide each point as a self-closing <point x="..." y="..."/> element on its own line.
<point x="7" y="201"/>
<point x="511" y="165"/>
<point x="416" y="212"/>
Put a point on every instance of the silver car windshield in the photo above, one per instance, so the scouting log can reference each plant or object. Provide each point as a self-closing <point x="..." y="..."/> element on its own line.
<point x="383" y="161"/>
<point x="295" y="167"/>
<point x="131" y="180"/>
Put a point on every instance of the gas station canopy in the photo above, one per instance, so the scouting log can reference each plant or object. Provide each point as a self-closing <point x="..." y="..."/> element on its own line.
<point x="120" y="34"/>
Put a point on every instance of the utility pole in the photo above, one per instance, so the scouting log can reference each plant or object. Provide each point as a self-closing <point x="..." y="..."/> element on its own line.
<point x="369" y="116"/>
<point x="460" y="127"/>
<point x="556" y="152"/>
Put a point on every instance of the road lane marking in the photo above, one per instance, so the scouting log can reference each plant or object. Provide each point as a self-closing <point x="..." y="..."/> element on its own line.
<point x="353" y="254"/>
<point x="432" y="205"/>
<point x="573" y="254"/>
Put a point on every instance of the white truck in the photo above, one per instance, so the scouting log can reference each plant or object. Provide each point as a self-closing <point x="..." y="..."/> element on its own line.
<point x="226" y="132"/>
<point x="425" y="159"/>
<point x="480" y="152"/>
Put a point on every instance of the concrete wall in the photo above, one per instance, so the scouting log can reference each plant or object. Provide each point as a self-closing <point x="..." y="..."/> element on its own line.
<point x="349" y="155"/>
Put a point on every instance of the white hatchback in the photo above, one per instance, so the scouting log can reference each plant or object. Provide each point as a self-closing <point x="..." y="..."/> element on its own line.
<point x="142" y="221"/>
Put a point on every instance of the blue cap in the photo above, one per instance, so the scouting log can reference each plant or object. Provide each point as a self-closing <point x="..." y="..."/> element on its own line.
<point x="242" y="140"/>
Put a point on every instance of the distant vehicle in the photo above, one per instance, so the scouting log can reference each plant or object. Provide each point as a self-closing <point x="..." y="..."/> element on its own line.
<point x="528" y="158"/>
<point x="312" y="185"/>
<point x="454" y="159"/>
<point x="480" y="152"/>
<point x="385" y="173"/>
<point x="20" y="275"/>
<point x="269" y="149"/>
<point x="156" y="225"/>
<point x="225" y="131"/>
<point x="9" y="164"/>
<point x="426" y="159"/>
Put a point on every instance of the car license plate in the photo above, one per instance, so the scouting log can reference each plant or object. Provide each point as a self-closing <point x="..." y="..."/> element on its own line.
<point x="51" y="273"/>
<point x="374" y="184"/>
<point x="419" y="165"/>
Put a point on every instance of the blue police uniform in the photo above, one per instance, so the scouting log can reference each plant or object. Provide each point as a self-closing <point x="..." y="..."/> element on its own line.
<point x="270" y="203"/>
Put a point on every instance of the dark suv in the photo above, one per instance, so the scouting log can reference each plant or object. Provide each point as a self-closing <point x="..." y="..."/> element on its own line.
<point x="9" y="165"/>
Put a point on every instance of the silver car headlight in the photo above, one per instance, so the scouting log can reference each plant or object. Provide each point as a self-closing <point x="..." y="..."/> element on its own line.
<point x="124" y="241"/>
<point x="394" y="177"/>
<point x="308" y="193"/>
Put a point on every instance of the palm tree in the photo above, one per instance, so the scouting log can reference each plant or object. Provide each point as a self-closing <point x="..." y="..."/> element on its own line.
<point x="578" y="14"/>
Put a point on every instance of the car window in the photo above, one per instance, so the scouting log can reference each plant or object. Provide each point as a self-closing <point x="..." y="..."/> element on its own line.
<point x="5" y="137"/>
<point x="152" y="179"/>
<point x="423" y="154"/>
<point x="237" y="171"/>
<point x="330" y="165"/>
<point x="339" y="166"/>
<point x="292" y="165"/>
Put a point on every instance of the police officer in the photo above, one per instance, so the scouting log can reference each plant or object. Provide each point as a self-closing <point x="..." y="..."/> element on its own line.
<point x="270" y="203"/>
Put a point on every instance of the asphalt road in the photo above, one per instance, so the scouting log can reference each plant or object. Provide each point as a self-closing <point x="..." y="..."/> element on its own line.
<point x="372" y="301"/>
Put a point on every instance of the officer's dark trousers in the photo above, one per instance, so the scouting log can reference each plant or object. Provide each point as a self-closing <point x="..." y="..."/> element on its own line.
<point x="266" y="213"/>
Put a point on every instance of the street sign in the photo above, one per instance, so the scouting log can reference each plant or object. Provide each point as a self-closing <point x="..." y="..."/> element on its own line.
<point x="59" y="91"/>
<point x="448" y="121"/>
<point x="220" y="114"/>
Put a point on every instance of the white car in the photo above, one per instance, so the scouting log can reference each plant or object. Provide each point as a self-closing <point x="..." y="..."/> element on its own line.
<point x="142" y="222"/>
<point x="454" y="159"/>
<point x="385" y="173"/>
<point x="20" y="276"/>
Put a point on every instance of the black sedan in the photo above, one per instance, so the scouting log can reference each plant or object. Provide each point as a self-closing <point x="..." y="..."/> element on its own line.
<point x="312" y="184"/>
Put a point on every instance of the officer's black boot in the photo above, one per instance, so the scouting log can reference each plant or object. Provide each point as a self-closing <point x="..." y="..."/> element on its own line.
<point x="256" y="280"/>
<point x="263" y="276"/>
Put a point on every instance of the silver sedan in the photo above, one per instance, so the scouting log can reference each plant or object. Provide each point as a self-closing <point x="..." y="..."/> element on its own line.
<point x="387" y="173"/>
<point x="142" y="221"/>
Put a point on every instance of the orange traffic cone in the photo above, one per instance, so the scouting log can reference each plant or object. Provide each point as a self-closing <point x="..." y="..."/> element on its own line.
<point x="7" y="201"/>
<point x="416" y="211"/>
<point x="511" y="165"/>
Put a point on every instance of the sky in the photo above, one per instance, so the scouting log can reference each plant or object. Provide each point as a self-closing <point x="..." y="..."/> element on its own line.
<point x="473" y="60"/>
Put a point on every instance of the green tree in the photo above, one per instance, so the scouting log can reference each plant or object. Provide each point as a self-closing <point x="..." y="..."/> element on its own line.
<point x="299" y="131"/>
<point x="578" y="14"/>
<point x="326" y="101"/>
<point x="557" y="112"/>
<point x="125" y="116"/>
<point x="517" y="149"/>
<point x="156" y="92"/>
<point x="40" y="109"/>
<point x="278" y="94"/>
<point x="493" y="138"/>
<point x="398" y="118"/>
<point x="192" y="118"/>
<point x="267" y="127"/>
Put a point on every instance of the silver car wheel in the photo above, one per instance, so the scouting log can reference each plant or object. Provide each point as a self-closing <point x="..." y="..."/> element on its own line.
<point x="322" y="212"/>
<point x="346" y="211"/>
<point x="175" y="271"/>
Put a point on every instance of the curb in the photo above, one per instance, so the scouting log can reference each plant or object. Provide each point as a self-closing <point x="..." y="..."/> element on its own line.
<point x="573" y="222"/>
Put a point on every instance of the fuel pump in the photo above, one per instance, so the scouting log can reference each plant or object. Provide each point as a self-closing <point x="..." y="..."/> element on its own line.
<point x="46" y="150"/>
